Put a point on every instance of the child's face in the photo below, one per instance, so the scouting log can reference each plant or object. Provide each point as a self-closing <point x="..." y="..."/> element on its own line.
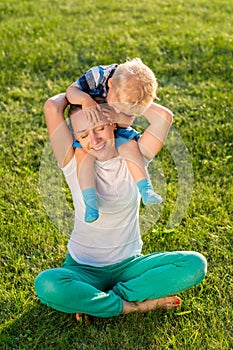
<point x="113" y="100"/>
<point x="112" y="97"/>
<point x="118" y="106"/>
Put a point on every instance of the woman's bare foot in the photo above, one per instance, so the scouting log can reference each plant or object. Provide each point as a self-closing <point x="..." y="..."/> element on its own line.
<point x="80" y="317"/>
<point x="166" y="303"/>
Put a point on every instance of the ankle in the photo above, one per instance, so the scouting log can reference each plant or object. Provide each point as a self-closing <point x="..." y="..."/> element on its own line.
<point x="130" y="306"/>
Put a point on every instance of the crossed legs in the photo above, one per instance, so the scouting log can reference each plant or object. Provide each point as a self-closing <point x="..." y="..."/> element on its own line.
<point x="138" y="284"/>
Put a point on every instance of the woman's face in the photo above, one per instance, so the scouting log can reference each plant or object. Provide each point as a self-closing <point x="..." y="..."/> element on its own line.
<point x="97" y="139"/>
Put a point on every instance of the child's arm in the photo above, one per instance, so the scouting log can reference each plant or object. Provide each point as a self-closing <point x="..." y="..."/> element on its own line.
<point x="78" y="97"/>
<point x="123" y="120"/>
<point x="154" y="137"/>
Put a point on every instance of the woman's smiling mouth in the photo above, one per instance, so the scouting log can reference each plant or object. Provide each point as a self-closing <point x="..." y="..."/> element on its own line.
<point x="100" y="147"/>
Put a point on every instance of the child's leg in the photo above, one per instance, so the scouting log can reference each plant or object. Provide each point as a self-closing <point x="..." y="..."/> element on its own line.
<point x="86" y="179"/>
<point x="131" y="153"/>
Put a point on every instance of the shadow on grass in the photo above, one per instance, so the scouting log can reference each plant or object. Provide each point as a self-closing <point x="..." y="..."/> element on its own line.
<point x="43" y="328"/>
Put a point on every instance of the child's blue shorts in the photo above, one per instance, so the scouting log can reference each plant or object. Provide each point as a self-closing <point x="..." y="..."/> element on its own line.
<point x="122" y="136"/>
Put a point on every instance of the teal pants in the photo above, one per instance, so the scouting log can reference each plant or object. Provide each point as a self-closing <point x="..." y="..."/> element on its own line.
<point x="99" y="291"/>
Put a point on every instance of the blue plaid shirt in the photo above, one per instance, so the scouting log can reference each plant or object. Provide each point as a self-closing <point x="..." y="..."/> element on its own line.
<point x="95" y="81"/>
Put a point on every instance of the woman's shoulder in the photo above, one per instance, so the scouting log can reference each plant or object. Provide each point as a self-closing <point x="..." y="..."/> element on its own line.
<point x="70" y="166"/>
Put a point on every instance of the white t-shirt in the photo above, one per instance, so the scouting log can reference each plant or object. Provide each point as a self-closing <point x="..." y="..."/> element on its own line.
<point x="115" y="236"/>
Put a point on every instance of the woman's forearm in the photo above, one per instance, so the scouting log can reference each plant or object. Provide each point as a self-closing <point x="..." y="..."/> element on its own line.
<point x="160" y="119"/>
<point x="59" y="133"/>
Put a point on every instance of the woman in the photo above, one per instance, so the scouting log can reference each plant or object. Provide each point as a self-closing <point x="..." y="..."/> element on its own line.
<point x="105" y="274"/>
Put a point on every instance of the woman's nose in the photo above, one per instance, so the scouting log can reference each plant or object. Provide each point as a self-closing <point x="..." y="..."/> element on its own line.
<point x="93" y="139"/>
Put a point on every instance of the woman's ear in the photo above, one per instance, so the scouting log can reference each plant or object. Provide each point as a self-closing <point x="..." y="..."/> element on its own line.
<point x="113" y="125"/>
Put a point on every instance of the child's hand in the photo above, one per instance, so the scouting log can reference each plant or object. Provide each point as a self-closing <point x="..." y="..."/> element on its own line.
<point x="123" y="120"/>
<point x="91" y="110"/>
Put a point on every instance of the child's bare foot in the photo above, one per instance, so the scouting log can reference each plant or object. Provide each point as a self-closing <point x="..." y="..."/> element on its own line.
<point x="165" y="303"/>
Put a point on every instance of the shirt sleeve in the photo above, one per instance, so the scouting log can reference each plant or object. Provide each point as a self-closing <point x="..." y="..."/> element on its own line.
<point x="69" y="168"/>
<point x="90" y="80"/>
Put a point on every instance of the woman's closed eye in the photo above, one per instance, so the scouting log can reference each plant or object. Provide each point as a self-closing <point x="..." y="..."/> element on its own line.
<point x="83" y="136"/>
<point x="99" y="128"/>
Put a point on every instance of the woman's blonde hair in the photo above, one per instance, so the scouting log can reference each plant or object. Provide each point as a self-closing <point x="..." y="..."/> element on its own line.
<point x="134" y="83"/>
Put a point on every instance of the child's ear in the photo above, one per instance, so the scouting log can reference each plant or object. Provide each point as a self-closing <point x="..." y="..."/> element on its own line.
<point x="110" y="82"/>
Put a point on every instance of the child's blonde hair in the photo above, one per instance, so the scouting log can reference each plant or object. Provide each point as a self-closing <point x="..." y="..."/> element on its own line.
<point x="135" y="83"/>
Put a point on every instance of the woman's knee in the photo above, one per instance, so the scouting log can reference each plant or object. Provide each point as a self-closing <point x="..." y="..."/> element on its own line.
<point x="198" y="264"/>
<point x="46" y="283"/>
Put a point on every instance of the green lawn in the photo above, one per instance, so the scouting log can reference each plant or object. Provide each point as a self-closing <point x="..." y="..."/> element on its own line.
<point x="46" y="45"/>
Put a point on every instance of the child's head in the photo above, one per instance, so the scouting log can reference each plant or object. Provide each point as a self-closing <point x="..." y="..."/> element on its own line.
<point x="133" y="85"/>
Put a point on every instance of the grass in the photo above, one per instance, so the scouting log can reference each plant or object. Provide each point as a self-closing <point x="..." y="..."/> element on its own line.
<point x="45" y="45"/>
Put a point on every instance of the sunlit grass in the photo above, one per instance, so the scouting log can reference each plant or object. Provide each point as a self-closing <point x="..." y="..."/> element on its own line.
<point x="45" y="45"/>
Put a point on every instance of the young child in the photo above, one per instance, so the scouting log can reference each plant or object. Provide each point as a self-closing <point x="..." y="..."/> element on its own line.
<point x="129" y="88"/>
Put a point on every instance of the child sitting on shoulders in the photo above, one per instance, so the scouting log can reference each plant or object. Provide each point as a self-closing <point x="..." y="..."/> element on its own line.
<point x="128" y="88"/>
